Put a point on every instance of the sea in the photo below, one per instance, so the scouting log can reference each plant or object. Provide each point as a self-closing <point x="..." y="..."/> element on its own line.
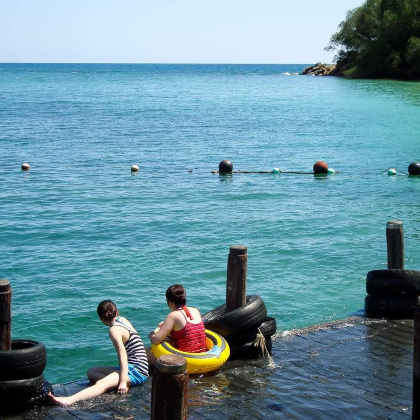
<point x="80" y="227"/>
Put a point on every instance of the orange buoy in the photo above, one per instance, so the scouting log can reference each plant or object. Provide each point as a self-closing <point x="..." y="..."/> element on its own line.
<point x="320" y="167"/>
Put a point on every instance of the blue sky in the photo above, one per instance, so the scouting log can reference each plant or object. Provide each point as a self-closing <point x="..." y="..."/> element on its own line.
<point x="169" y="31"/>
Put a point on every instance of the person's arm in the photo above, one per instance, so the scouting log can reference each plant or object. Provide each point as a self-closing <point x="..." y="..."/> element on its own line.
<point x="165" y="329"/>
<point x="116" y="336"/>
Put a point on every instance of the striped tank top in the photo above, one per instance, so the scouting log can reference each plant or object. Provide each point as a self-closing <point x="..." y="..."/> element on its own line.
<point x="191" y="338"/>
<point x="136" y="353"/>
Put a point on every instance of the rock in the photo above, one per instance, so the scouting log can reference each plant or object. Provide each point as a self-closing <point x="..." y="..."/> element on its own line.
<point x="319" y="69"/>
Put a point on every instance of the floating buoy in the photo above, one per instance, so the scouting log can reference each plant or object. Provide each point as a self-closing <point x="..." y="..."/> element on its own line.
<point x="25" y="167"/>
<point x="225" y="166"/>
<point x="135" y="168"/>
<point x="331" y="171"/>
<point x="392" y="171"/>
<point x="320" y="167"/>
<point x="414" y="168"/>
<point x="276" y="171"/>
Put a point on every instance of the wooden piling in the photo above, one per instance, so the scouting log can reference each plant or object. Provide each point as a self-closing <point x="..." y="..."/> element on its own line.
<point x="395" y="244"/>
<point x="170" y="388"/>
<point x="236" y="277"/>
<point x="416" y="365"/>
<point x="5" y="315"/>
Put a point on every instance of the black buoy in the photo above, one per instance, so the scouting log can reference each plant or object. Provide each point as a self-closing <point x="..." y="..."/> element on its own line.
<point x="414" y="168"/>
<point x="225" y="166"/>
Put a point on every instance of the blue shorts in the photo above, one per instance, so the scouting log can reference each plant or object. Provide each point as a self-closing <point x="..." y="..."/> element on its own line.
<point x="136" y="378"/>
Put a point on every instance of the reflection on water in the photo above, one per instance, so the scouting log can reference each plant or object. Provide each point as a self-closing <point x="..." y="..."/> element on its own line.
<point x="226" y="177"/>
<point x="386" y="89"/>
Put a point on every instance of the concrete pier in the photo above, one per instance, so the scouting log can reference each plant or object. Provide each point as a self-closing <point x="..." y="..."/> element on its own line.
<point x="351" y="369"/>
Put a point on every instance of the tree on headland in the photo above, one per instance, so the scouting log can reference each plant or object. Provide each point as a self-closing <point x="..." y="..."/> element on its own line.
<point x="379" y="39"/>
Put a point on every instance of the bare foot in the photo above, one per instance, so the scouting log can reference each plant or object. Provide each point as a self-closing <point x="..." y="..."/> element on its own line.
<point x="61" y="400"/>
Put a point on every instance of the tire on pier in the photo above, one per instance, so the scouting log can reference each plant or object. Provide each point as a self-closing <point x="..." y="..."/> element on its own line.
<point x="19" y="395"/>
<point x="393" y="282"/>
<point x="267" y="328"/>
<point x="249" y="350"/>
<point x="242" y="319"/>
<point x="392" y="307"/>
<point x="26" y="359"/>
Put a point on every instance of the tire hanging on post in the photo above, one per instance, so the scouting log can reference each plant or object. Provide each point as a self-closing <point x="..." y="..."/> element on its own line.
<point x="242" y="319"/>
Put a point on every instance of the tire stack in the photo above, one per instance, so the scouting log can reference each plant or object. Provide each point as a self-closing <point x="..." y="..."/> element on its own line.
<point x="241" y="328"/>
<point x="392" y="293"/>
<point x="22" y="384"/>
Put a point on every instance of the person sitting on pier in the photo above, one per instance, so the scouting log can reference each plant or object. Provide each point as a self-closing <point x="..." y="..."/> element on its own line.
<point x="133" y="367"/>
<point x="183" y="325"/>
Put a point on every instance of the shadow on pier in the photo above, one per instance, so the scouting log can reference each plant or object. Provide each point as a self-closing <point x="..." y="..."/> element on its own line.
<point x="356" y="368"/>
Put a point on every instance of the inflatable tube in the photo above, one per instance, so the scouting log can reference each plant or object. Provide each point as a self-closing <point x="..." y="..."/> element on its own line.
<point x="393" y="282"/>
<point x="239" y="320"/>
<point x="217" y="353"/>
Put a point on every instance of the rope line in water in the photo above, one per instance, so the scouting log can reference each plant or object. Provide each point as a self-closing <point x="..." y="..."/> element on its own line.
<point x="396" y="169"/>
<point x="265" y="172"/>
<point x="214" y="172"/>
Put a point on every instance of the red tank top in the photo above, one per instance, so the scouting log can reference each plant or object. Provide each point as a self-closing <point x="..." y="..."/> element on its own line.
<point x="191" y="338"/>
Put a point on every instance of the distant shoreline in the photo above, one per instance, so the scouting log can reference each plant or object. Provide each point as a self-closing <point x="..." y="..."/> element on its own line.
<point x="163" y="64"/>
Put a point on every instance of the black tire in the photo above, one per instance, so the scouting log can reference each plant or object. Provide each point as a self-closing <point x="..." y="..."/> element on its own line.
<point x="268" y="328"/>
<point x="249" y="350"/>
<point x="393" y="282"/>
<point x="43" y="398"/>
<point x="27" y="359"/>
<point x="20" y="395"/>
<point x="392" y="307"/>
<point x="242" y="319"/>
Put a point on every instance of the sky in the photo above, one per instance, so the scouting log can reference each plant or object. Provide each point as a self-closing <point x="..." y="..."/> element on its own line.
<point x="169" y="31"/>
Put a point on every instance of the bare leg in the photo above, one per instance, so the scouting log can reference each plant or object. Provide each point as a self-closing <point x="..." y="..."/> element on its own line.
<point x="151" y="357"/>
<point x="102" y="385"/>
<point x="99" y="372"/>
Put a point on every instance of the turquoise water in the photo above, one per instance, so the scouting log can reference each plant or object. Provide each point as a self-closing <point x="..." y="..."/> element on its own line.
<point x="80" y="227"/>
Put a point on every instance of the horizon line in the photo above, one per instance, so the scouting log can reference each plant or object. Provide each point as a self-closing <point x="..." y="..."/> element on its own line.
<point x="151" y="63"/>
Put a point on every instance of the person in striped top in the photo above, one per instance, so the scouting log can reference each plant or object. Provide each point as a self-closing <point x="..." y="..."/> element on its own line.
<point x="133" y="367"/>
<point x="184" y="325"/>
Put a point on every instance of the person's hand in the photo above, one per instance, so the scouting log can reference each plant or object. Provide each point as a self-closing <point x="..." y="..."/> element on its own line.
<point x="160" y="323"/>
<point x="122" y="387"/>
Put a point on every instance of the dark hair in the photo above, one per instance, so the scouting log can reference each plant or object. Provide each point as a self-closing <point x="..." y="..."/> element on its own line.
<point x="107" y="310"/>
<point x="176" y="294"/>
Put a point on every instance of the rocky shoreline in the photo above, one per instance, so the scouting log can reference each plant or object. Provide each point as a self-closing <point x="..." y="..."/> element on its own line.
<point x="321" y="69"/>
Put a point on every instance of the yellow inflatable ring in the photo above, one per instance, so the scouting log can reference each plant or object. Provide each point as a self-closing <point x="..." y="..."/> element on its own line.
<point x="217" y="353"/>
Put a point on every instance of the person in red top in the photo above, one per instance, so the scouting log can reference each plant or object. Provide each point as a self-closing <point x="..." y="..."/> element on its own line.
<point x="184" y="325"/>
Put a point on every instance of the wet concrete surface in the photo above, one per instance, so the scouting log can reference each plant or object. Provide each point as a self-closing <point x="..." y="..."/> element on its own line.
<point x="351" y="369"/>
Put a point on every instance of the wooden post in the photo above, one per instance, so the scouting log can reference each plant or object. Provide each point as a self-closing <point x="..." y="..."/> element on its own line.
<point x="170" y="388"/>
<point x="416" y="365"/>
<point x="236" y="277"/>
<point x="5" y="315"/>
<point x="395" y="244"/>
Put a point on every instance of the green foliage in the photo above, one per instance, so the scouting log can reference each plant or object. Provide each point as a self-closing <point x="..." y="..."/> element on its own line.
<point x="381" y="38"/>
<point x="353" y="72"/>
